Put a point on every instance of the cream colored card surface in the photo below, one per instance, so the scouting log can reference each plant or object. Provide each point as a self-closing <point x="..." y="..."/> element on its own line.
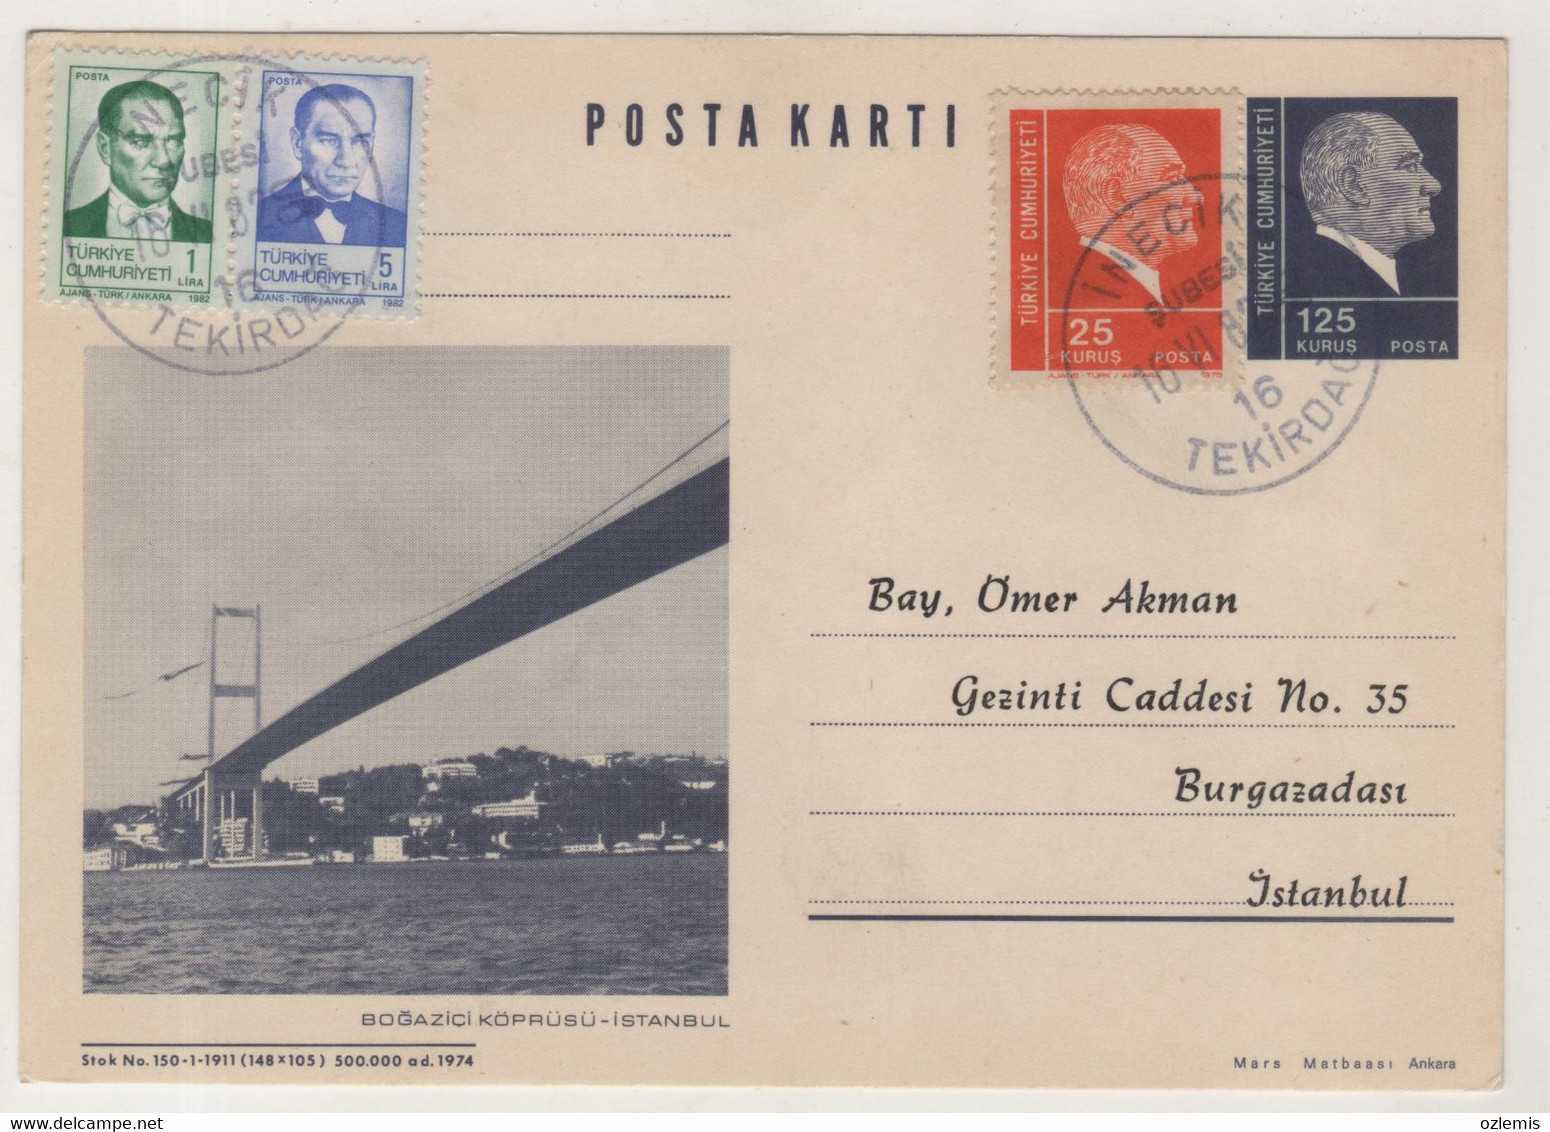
<point x="789" y="561"/>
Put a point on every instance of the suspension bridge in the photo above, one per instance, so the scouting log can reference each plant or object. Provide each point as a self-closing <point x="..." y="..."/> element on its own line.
<point x="676" y="526"/>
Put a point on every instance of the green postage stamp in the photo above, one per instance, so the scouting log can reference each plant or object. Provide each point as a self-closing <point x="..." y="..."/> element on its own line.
<point x="234" y="181"/>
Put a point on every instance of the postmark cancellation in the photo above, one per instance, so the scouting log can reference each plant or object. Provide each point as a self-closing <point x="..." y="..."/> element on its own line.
<point x="1276" y="250"/>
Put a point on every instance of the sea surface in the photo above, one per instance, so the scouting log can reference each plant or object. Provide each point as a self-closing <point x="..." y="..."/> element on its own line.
<point x="647" y="924"/>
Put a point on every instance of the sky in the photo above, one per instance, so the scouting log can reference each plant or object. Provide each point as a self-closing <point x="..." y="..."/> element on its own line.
<point x="354" y="489"/>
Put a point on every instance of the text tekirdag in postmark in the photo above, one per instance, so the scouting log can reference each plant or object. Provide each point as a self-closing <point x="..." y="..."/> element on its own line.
<point x="238" y="183"/>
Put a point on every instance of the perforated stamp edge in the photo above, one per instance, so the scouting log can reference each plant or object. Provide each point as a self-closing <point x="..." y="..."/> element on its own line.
<point x="238" y="126"/>
<point x="1231" y="103"/>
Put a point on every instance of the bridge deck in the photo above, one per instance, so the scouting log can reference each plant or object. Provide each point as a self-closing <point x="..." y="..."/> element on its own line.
<point x="675" y="527"/>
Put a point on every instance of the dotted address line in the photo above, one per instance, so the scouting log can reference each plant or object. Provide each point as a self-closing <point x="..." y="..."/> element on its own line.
<point x="589" y="235"/>
<point x="568" y="295"/>
<point x="1207" y="726"/>
<point x="1143" y="636"/>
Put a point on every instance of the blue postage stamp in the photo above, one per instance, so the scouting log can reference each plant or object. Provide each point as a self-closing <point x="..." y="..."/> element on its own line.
<point x="235" y="182"/>
<point x="1353" y="228"/>
<point x="336" y="164"/>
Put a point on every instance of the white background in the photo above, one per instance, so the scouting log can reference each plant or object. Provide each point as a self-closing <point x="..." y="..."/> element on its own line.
<point x="1526" y="25"/>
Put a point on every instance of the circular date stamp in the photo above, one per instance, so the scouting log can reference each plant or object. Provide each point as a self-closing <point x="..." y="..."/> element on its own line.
<point x="1255" y="428"/>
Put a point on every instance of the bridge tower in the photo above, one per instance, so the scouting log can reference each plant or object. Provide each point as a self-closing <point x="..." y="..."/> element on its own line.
<point x="222" y="795"/>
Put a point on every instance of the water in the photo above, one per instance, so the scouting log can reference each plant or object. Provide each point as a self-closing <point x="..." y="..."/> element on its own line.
<point x="648" y="924"/>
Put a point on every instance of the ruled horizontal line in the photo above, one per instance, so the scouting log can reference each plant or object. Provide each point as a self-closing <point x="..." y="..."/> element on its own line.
<point x="1153" y="726"/>
<point x="587" y="235"/>
<point x="1055" y="918"/>
<point x="1149" y="636"/>
<point x="1119" y="814"/>
<point x="1096" y="903"/>
<point x="566" y="295"/>
<point x="1100" y="903"/>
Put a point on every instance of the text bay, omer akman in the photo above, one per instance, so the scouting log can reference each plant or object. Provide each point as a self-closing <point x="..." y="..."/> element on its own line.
<point x="997" y="595"/>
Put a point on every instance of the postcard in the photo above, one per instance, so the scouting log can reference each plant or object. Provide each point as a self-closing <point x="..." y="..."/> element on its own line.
<point x="825" y="561"/>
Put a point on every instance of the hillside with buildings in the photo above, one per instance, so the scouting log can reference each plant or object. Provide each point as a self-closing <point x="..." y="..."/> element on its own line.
<point x="515" y="802"/>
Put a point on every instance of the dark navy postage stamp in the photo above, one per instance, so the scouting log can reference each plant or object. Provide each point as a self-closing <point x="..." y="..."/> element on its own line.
<point x="1354" y="228"/>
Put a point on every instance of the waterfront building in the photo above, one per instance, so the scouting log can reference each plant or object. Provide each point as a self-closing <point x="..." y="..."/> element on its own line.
<point x="388" y="848"/>
<point x="424" y="823"/>
<point x="333" y="802"/>
<point x="104" y="859"/>
<point x="700" y="784"/>
<point x="527" y="807"/>
<point x="122" y="855"/>
<point x="142" y="833"/>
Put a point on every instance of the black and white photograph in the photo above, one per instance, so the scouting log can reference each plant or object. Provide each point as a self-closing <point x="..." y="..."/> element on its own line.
<point x="406" y="673"/>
